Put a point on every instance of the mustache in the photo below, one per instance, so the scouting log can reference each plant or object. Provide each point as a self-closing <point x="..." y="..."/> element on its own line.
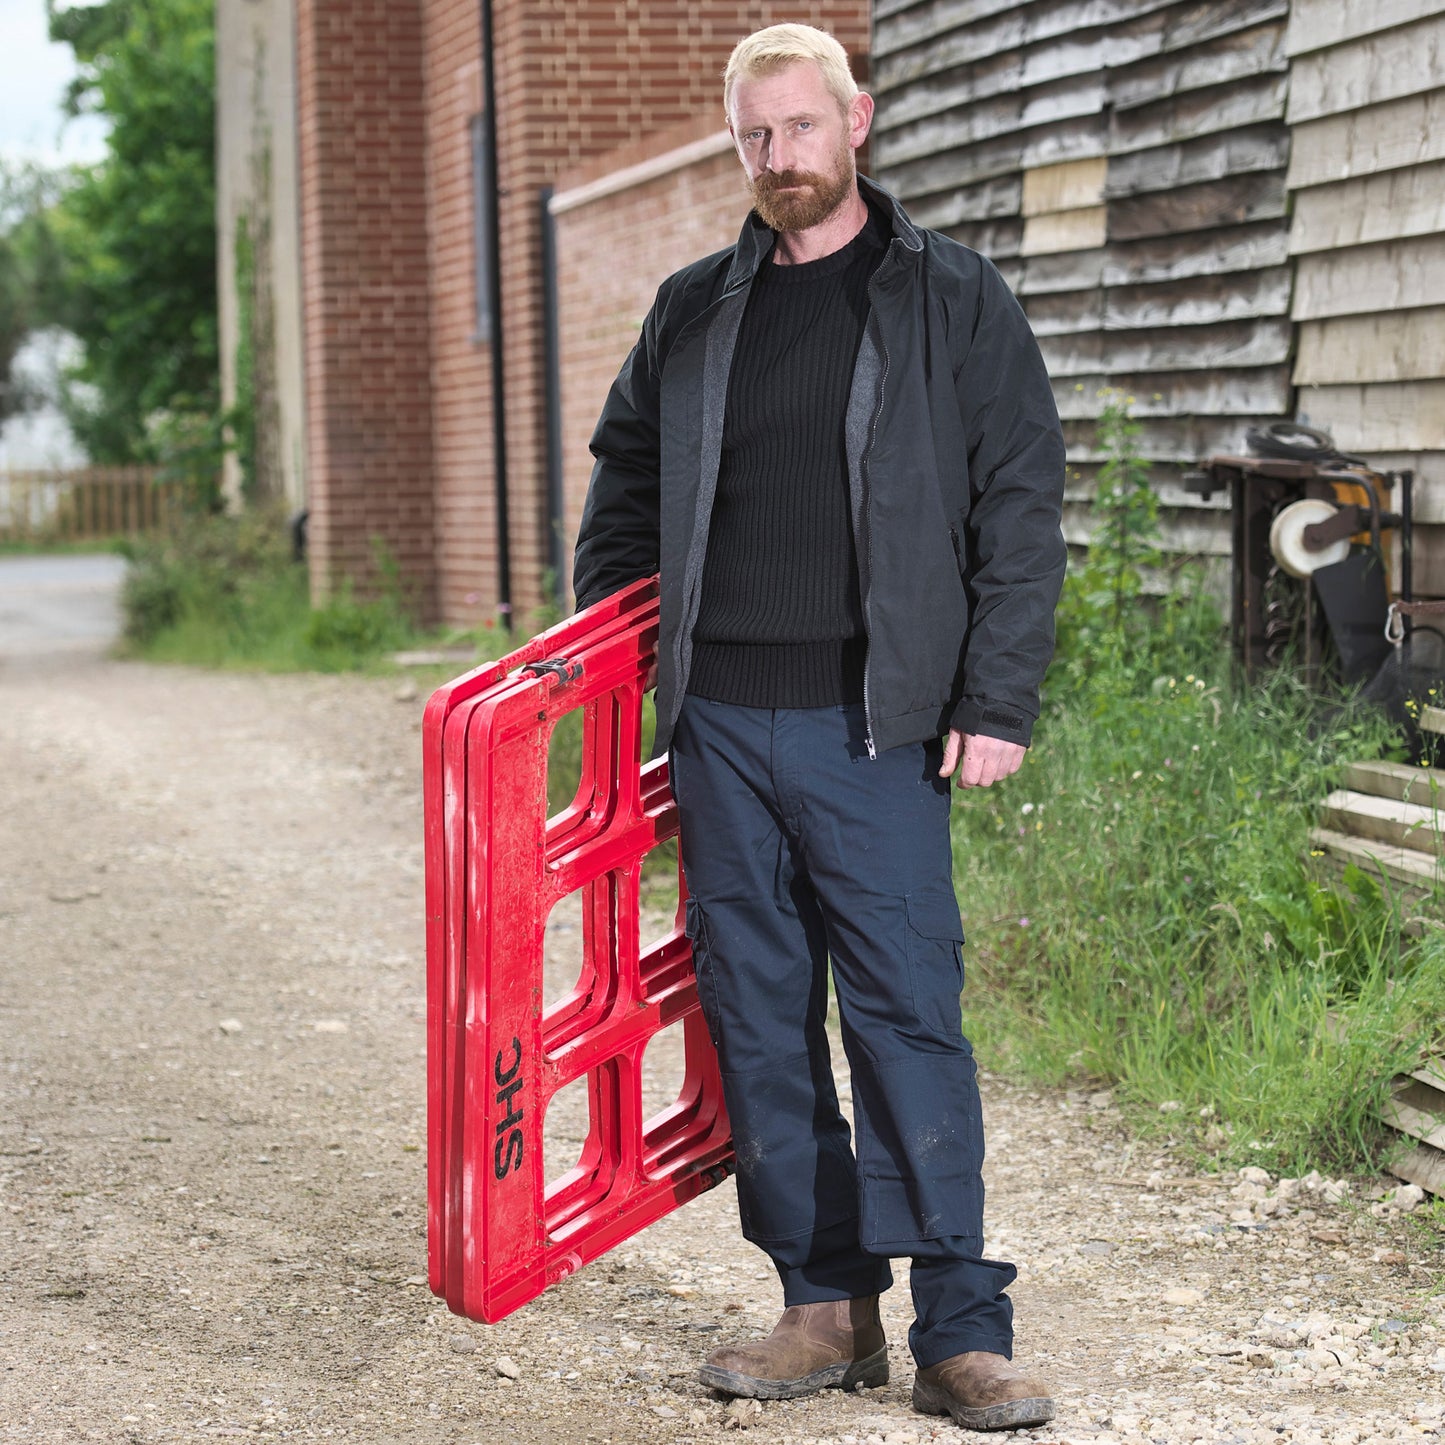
<point x="771" y="182"/>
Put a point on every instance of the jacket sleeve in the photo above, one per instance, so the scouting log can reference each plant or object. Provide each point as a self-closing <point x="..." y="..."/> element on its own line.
<point x="1015" y="553"/>
<point x="618" y="539"/>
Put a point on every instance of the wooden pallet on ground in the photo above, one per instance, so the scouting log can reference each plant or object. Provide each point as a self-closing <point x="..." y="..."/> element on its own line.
<point x="1417" y="1109"/>
<point x="1389" y="820"/>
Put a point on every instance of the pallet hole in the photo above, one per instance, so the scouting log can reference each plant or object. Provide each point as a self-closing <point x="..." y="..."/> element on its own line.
<point x="565" y="1130"/>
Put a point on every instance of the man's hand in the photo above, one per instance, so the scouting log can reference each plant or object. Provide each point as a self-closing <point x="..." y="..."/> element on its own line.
<point x="984" y="760"/>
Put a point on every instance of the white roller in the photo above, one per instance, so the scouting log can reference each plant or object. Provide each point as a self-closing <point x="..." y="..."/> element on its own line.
<point x="1287" y="538"/>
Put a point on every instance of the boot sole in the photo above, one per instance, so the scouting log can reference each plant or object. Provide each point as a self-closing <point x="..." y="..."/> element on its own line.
<point x="1007" y="1415"/>
<point x="842" y="1376"/>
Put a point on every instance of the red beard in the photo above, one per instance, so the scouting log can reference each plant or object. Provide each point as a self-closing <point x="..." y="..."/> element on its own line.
<point x="817" y="197"/>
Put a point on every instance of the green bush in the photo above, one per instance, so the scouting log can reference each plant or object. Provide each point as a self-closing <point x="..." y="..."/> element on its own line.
<point x="223" y="590"/>
<point x="1142" y="911"/>
<point x="1130" y="611"/>
<point x="343" y="629"/>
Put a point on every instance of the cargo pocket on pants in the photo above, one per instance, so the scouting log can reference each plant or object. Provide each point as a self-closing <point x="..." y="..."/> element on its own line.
<point x="695" y="925"/>
<point x="935" y="960"/>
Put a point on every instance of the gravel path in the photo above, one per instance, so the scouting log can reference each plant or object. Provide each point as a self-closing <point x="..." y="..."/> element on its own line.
<point x="212" y="1132"/>
<point x="58" y="604"/>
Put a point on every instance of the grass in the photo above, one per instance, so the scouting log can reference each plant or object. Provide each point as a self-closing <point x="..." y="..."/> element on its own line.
<point x="1143" y="911"/>
<point x="40" y="547"/>
<point x="225" y="591"/>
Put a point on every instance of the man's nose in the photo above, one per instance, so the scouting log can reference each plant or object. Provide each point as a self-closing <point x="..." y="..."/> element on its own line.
<point x="778" y="155"/>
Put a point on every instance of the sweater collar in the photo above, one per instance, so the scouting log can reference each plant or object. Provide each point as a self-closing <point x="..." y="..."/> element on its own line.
<point x="756" y="240"/>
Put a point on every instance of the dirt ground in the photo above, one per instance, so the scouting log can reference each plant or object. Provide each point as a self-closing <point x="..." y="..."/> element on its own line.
<point x="212" y="1138"/>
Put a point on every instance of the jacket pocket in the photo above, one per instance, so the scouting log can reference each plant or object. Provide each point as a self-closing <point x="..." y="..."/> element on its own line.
<point x="935" y="960"/>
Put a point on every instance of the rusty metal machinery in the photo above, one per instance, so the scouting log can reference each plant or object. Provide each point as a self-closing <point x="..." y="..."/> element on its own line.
<point x="1312" y="549"/>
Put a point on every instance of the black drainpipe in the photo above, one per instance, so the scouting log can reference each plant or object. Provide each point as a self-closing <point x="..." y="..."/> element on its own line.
<point x="499" y="390"/>
<point x="553" y="360"/>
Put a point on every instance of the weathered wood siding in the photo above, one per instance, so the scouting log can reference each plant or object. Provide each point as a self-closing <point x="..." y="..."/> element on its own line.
<point x="1367" y="182"/>
<point x="1123" y="162"/>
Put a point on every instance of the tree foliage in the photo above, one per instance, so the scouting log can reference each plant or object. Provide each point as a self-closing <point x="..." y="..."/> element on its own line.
<point x="31" y="290"/>
<point x="136" y="233"/>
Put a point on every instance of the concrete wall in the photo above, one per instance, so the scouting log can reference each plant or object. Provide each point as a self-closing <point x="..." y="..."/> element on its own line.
<point x="256" y="188"/>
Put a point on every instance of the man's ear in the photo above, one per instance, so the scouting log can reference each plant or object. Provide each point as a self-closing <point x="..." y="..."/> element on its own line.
<point x="860" y="118"/>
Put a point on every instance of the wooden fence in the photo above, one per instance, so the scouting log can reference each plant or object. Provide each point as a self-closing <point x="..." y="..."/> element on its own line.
<point x="92" y="502"/>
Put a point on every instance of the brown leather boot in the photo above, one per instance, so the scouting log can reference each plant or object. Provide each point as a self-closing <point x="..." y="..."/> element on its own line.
<point x="982" y="1391"/>
<point x="837" y="1344"/>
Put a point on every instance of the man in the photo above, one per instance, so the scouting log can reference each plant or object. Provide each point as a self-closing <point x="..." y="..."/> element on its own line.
<point x="837" y="445"/>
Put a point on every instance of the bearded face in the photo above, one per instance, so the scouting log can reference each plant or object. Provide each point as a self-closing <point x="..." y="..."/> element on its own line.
<point x="796" y="200"/>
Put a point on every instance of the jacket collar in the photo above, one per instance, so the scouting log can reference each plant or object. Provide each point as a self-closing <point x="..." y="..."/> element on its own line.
<point x="756" y="239"/>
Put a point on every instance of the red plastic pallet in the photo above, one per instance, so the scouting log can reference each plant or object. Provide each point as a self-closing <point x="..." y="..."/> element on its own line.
<point x="496" y="866"/>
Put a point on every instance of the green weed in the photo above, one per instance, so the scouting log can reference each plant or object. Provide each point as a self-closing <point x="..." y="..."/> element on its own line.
<point x="1142" y="910"/>
<point x="224" y="591"/>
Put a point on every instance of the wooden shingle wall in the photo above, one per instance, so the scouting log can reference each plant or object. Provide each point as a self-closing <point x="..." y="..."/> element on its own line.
<point x="1123" y="162"/>
<point x="1367" y="179"/>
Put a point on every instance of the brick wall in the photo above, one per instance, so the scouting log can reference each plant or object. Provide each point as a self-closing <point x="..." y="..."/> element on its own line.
<point x="365" y="289"/>
<point x="614" y="247"/>
<point x="576" y="82"/>
<point x="466" y="512"/>
<point x="399" y="387"/>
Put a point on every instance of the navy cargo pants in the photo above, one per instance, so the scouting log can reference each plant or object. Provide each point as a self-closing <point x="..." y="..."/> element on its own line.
<point x="798" y="848"/>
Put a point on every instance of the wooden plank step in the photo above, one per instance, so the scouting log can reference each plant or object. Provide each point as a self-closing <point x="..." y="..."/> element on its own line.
<point x="1423" y="1166"/>
<point x="1404" y="865"/>
<point x="1427" y="1124"/>
<point x="1380" y="779"/>
<point x="1432" y="1074"/>
<point x="1431" y="720"/>
<point x="1416" y="901"/>
<point x="1408" y="825"/>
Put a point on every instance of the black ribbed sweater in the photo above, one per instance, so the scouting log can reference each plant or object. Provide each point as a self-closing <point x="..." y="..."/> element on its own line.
<point x="780" y="620"/>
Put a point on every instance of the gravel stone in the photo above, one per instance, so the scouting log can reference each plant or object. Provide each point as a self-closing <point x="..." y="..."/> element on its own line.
<point x="261" y="838"/>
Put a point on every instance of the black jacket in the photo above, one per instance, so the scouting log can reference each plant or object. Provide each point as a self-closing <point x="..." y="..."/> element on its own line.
<point x="955" y="469"/>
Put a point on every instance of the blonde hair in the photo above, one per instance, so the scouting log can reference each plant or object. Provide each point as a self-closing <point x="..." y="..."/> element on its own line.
<point x="766" y="52"/>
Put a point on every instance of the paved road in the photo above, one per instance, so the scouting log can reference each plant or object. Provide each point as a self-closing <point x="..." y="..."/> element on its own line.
<point x="59" y="604"/>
